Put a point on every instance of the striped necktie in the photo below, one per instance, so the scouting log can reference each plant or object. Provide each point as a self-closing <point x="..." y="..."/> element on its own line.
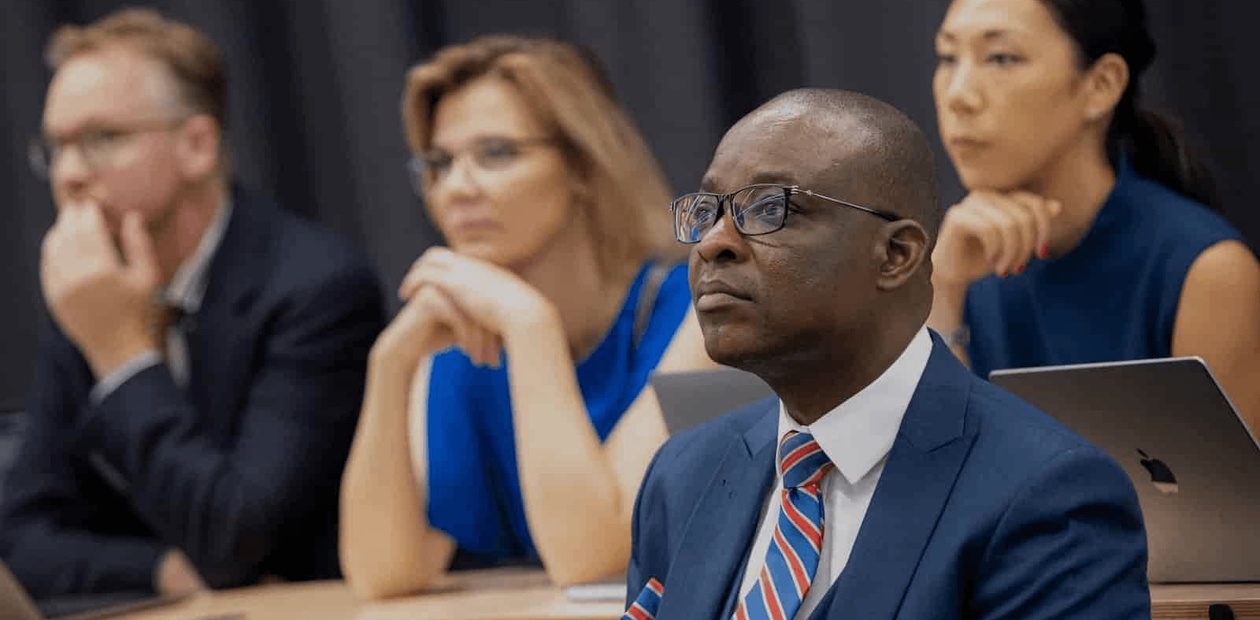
<point x="793" y="554"/>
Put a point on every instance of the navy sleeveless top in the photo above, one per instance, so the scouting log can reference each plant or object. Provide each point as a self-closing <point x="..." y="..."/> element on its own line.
<point x="474" y="492"/>
<point x="1112" y="298"/>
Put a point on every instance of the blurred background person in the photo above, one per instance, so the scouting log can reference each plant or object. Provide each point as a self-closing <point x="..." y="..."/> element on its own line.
<point x="309" y="88"/>
<point x="198" y="384"/>
<point x="1089" y="232"/>
<point x="526" y="441"/>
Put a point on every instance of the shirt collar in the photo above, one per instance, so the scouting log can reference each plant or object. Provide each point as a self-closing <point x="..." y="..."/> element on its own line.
<point x="860" y="431"/>
<point x="188" y="285"/>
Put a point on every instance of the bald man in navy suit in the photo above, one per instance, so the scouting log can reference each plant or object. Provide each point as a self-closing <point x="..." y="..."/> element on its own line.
<point x="884" y="480"/>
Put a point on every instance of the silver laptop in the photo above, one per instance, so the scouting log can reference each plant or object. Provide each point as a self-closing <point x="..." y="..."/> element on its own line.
<point x="694" y="397"/>
<point x="1194" y="462"/>
<point x="16" y="604"/>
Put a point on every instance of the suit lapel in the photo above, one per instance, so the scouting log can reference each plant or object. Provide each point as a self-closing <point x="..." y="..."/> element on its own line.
<point x="710" y="560"/>
<point x="223" y="336"/>
<point x="917" y="480"/>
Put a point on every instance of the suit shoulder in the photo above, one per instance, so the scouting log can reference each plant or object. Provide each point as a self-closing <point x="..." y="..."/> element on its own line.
<point x="309" y="256"/>
<point x="701" y="442"/>
<point x="318" y="247"/>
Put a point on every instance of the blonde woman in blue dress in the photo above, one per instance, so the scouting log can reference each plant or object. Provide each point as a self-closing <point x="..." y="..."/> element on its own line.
<point x="507" y="414"/>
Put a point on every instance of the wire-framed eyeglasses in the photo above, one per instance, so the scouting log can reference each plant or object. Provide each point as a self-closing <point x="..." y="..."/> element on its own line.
<point x="488" y="154"/>
<point x="98" y="145"/>
<point x="756" y="210"/>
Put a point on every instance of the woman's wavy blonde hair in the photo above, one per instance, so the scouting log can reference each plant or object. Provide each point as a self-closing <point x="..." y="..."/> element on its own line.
<point x="573" y="99"/>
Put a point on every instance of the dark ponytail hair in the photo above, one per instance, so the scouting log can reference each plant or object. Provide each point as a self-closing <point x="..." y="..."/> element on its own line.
<point x="1155" y="143"/>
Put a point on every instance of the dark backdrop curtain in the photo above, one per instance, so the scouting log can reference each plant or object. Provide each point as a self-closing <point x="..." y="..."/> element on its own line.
<point x="315" y="87"/>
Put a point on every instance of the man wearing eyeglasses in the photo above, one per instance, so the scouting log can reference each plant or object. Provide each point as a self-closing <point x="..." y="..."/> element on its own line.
<point x="884" y="480"/>
<point x="199" y="382"/>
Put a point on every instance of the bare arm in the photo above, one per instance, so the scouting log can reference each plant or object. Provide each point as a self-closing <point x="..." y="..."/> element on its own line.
<point x="580" y="499"/>
<point x="987" y="233"/>
<point x="1218" y="319"/>
<point x="387" y="547"/>
<point x="578" y="493"/>
<point x="949" y="300"/>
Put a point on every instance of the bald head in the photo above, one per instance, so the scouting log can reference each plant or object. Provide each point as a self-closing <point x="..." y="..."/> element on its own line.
<point x="830" y="289"/>
<point x="863" y="149"/>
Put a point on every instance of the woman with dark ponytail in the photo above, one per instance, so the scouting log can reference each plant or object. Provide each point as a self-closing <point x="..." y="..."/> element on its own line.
<point x="1089" y="232"/>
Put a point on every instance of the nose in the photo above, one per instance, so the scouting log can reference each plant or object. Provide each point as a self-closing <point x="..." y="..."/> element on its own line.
<point x="723" y="242"/>
<point x="68" y="171"/>
<point x="961" y="93"/>
<point x="460" y="181"/>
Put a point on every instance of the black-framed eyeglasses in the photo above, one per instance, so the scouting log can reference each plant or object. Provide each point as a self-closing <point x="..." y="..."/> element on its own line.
<point x="97" y="145"/>
<point x="487" y="154"/>
<point x="756" y="210"/>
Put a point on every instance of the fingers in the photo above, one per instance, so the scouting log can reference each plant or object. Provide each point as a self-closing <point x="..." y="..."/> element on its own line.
<point x="78" y="240"/>
<point x="479" y="344"/>
<point x="1010" y="228"/>
<point x="981" y="226"/>
<point x="1044" y="211"/>
<point x="138" y="253"/>
<point x="1018" y="231"/>
<point x="433" y="261"/>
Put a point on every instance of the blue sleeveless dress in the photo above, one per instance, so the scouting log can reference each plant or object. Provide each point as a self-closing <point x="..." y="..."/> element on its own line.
<point x="474" y="492"/>
<point x="1112" y="298"/>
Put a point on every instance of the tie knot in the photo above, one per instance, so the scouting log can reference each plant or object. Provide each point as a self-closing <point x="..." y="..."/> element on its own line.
<point x="801" y="460"/>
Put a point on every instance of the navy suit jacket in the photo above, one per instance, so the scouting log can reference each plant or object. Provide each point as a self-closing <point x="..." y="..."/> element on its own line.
<point x="986" y="508"/>
<point x="240" y="470"/>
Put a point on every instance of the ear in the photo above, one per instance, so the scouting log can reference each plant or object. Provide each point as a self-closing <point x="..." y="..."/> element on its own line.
<point x="901" y="252"/>
<point x="1105" y="82"/>
<point x="198" y="147"/>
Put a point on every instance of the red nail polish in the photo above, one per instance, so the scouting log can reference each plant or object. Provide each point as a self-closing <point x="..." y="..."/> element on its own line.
<point x="1043" y="252"/>
<point x="1019" y="270"/>
<point x="1001" y="274"/>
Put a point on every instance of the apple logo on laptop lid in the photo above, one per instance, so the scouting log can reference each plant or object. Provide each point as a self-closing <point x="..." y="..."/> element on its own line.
<point x="1161" y="475"/>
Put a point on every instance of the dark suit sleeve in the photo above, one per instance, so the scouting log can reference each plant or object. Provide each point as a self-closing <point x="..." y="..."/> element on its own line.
<point x="647" y="538"/>
<point x="224" y="507"/>
<point x="1071" y="545"/>
<point x="44" y="534"/>
<point x="635" y="577"/>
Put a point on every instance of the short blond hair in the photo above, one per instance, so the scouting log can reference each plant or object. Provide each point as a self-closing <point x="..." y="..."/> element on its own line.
<point x="193" y="60"/>
<point x="570" y="95"/>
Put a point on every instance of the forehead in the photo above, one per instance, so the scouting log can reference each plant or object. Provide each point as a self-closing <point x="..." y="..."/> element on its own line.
<point x="486" y="106"/>
<point x="101" y="86"/>
<point x="996" y="19"/>
<point x="777" y="148"/>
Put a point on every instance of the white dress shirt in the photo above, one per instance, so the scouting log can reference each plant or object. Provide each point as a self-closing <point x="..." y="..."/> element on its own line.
<point x="185" y="291"/>
<point x="856" y="436"/>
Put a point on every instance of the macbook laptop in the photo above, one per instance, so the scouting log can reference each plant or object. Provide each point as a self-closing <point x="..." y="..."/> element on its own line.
<point x="16" y="604"/>
<point x="694" y="397"/>
<point x="1194" y="462"/>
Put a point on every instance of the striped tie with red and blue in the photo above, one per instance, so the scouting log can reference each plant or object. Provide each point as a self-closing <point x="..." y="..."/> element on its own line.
<point x="793" y="554"/>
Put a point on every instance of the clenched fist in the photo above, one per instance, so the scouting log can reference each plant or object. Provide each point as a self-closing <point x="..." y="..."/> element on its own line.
<point x="101" y="300"/>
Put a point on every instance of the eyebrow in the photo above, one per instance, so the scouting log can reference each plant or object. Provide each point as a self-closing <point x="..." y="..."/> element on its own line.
<point x="991" y="34"/>
<point x="48" y="133"/>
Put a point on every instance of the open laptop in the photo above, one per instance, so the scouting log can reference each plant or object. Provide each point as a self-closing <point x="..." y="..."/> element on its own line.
<point x="1194" y="462"/>
<point x="694" y="397"/>
<point x="16" y="604"/>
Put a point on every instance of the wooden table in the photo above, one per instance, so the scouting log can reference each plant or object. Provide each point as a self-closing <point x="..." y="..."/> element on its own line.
<point x="505" y="594"/>
<point x="1186" y="602"/>
<point x="522" y="594"/>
